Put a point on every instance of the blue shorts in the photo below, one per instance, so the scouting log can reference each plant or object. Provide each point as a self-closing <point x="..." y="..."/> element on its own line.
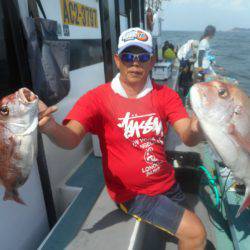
<point x="164" y="211"/>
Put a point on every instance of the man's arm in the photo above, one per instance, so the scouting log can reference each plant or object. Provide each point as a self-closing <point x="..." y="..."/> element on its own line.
<point x="189" y="131"/>
<point x="66" y="136"/>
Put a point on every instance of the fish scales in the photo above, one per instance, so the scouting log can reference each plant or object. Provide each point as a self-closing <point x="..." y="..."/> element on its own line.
<point x="223" y="111"/>
<point x="18" y="140"/>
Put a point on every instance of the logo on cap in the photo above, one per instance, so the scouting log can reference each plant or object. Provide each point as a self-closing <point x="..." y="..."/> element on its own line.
<point x="135" y="35"/>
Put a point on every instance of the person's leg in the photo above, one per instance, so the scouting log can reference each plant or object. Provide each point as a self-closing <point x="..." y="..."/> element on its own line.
<point x="166" y="211"/>
<point x="191" y="232"/>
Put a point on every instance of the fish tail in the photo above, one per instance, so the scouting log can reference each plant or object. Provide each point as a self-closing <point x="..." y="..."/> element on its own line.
<point x="13" y="195"/>
<point x="245" y="204"/>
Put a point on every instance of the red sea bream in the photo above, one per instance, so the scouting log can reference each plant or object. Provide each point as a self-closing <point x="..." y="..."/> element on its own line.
<point x="18" y="140"/>
<point x="223" y="111"/>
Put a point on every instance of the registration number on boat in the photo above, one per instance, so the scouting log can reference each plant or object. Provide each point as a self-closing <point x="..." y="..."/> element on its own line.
<point x="74" y="13"/>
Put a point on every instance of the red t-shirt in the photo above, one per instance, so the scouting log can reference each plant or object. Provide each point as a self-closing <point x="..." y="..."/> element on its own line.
<point x="131" y="134"/>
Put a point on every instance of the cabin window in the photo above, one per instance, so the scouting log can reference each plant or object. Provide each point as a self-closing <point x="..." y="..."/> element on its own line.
<point x="8" y="63"/>
<point x="124" y="14"/>
<point x="142" y="6"/>
<point x="13" y="62"/>
<point x="122" y="7"/>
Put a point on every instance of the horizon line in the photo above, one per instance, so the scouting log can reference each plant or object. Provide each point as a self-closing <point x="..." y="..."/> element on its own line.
<point x="224" y="30"/>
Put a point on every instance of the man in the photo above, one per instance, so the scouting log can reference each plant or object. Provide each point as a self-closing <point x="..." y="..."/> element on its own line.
<point x="187" y="56"/>
<point x="168" y="51"/>
<point x="129" y="115"/>
<point x="188" y="51"/>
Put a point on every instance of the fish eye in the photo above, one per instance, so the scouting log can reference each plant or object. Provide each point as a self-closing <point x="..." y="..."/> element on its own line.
<point x="4" y="110"/>
<point x="222" y="93"/>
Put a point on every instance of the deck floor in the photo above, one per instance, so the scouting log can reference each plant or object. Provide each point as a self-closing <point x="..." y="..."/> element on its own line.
<point x="106" y="227"/>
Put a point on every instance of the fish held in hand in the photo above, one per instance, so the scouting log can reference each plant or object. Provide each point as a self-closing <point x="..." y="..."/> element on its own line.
<point x="18" y="140"/>
<point x="223" y="111"/>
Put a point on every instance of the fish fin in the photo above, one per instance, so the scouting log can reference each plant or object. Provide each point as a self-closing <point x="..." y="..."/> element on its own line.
<point x="245" y="204"/>
<point x="13" y="195"/>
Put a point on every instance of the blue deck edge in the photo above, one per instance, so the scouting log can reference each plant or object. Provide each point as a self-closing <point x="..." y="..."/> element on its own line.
<point x="239" y="227"/>
<point x="89" y="176"/>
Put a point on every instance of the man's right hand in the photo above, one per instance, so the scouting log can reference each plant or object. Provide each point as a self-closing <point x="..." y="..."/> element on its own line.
<point x="65" y="136"/>
<point x="45" y="118"/>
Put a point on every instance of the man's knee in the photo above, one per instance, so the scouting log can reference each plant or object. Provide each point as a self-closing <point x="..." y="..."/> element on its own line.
<point x="198" y="232"/>
<point x="191" y="228"/>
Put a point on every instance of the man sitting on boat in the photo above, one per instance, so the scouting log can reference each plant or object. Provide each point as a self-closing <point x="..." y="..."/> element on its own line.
<point x="130" y="116"/>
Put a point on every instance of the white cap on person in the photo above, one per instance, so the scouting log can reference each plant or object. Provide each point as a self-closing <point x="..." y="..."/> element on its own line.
<point x="135" y="37"/>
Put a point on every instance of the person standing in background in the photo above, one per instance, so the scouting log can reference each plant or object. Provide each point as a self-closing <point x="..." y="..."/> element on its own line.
<point x="205" y="59"/>
<point x="187" y="56"/>
<point x="188" y="51"/>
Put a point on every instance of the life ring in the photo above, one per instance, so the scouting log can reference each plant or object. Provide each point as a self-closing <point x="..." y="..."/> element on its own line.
<point x="150" y="19"/>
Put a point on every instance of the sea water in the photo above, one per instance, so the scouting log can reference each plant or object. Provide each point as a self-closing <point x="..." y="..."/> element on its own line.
<point x="231" y="49"/>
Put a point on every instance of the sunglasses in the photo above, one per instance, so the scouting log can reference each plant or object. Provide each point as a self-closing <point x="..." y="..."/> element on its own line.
<point x="130" y="57"/>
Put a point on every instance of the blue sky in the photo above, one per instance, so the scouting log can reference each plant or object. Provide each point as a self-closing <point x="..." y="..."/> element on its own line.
<point x="196" y="14"/>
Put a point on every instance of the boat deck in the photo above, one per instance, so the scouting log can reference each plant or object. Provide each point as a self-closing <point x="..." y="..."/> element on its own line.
<point x="239" y="227"/>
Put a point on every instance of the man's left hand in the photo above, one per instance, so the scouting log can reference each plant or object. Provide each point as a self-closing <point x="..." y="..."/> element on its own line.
<point x="195" y="125"/>
<point x="189" y="130"/>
